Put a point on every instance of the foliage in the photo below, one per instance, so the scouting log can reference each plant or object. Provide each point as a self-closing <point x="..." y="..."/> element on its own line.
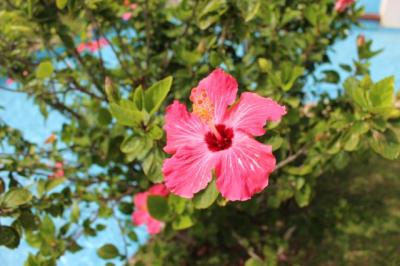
<point x="111" y="143"/>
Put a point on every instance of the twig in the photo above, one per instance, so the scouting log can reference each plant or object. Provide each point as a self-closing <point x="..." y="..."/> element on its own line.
<point x="121" y="229"/>
<point x="291" y="158"/>
<point x="249" y="250"/>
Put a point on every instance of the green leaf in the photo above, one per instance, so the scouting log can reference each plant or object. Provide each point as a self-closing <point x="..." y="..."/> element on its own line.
<point x="254" y="262"/>
<point x="138" y="98"/>
<point x="359" y="127"/>
<point x="210" y="12"/>
<point x="299" y="170"/>
<point x="188" y="57"/>
<point x="158" y="207"/>
<point x="28" y="220"/>
<point x="104" y="117"/>
<point x="44" y="70"/>
<point x="132" y="236"/>
<point x="136" y="147"/>
<point x="311" y="14"/>
<point x="303" y="196"/>
<point x="125" y="207"/>
<point x="108" y="251"/>
<point x="125" y="116"/>
<point x="47" y="228"/>
<point x="182" y="222"/>
<point x="50" y="185"/>
<point x="156" y="94"/>
<point x="249" y="9"/>
<point x="61" y="3"/>
<point x="382" y="93"/>
<point x="16" y="197"/>
<point x="32" y="261"/>
<point x="152" y="165"/>
<point x="355" y="92"/>
<point x="331" y="76"/>
<point x="75" y="212"/>
<point x="264" y="65"/>
<point x="176" y="203"/>
<point x="155" y="132"/>
<point x="384" y="145"/>
<point x="275" y="142"/>
<point x="206" y="197"/>
<point x="9" y="237"/>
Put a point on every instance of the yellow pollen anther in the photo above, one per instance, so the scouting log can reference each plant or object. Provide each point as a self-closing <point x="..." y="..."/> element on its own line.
<point x="202" y="105"/>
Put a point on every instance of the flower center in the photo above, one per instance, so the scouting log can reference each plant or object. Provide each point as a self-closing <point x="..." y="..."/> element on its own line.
<point x="221" y="142"/>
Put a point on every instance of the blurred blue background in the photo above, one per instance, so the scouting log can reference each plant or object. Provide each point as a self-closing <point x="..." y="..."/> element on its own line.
<point x="20" y="112"/>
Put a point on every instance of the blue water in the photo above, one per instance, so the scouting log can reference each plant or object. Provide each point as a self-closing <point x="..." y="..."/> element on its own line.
<point x="21" y="113"/>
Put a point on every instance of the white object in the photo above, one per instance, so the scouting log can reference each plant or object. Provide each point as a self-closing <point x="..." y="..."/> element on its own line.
<point x="390" y="13"/>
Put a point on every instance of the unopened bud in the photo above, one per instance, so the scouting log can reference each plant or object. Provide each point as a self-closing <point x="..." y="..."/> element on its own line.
<point x="360" y="40"/>
<point x="112" y="93"/>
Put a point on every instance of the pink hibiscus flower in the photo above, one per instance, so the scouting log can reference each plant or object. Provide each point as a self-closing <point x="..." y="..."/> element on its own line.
<point x="341" y="5"/>
<point x="214" y="136"/>
<point x="141" y="214"/>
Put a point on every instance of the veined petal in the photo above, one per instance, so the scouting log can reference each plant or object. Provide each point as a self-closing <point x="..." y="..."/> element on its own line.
<point x="221" y="89"/>
<point x="189" y="170"/>
<point x="182" y="128"/>
<point x="252" y="112"/>
<point x="243" y="170"/>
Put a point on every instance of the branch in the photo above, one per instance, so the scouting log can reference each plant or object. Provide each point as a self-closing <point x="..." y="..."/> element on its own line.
<point x="291" y="158"/>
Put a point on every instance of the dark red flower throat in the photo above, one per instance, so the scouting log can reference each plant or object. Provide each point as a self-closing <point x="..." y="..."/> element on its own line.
<point x="218" y="144"/>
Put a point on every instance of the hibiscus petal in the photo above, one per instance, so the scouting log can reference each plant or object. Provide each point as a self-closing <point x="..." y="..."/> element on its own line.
<point x="252" y="112"/>
<point x="221" y="89"/>
<point x="189" y="170"/>
<point x="140" y="217"/>
<point x="158" y="189"/>
<point x="243" y="170"/>
<point x="154" y="226"/>
<point x="140" y="200"/>
<point x="182" y="128"/>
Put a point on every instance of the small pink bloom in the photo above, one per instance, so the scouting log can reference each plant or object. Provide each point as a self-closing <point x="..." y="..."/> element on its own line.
<point x="9" y="81"/>
<point x="133" y="6"/>
<point x="341" y="5"/>
<point x="126" y="16"/>
<point x="141" y="214"/>
<point x="81" y="47"/>
<point x="103" y="42"/>
<point x="216" y="136"/>
<point x="58" y="171"/>
<point x="95" y="45"/>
